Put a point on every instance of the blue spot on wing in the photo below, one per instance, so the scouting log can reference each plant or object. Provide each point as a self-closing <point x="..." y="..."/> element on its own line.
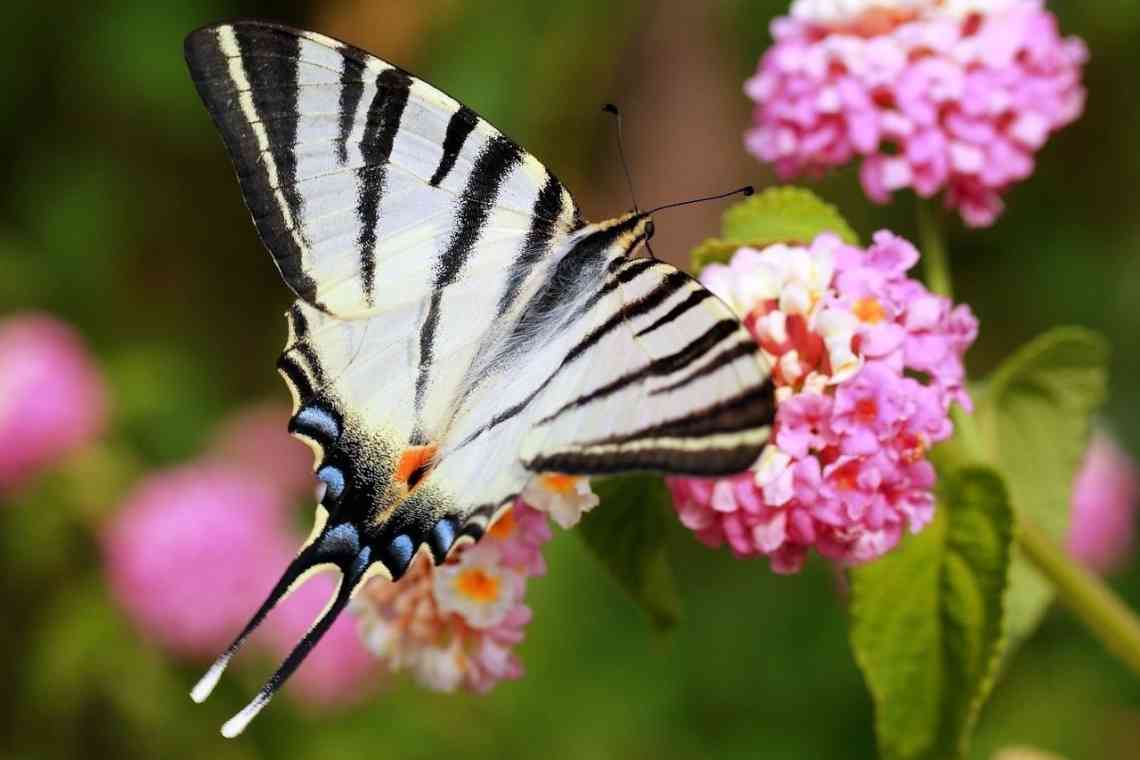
<point x="398" y="555"/>
<point x="334" y="481"/>
<point x="317" y="423"/>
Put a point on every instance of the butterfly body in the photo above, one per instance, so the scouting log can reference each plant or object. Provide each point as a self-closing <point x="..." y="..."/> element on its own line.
<point x="458" y="326"/>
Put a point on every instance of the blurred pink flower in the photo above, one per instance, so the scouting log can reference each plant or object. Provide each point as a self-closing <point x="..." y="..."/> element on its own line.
<point x="257" y="440"/>
<point x="456" y="626"/>
<point x="844" y="330"/>
<point x="931" y="95"/>
<point x="52" y="398"/>
<point x="339" y="671"/>
<point x="1106" y="494"/>
<point x="193" y="551"/>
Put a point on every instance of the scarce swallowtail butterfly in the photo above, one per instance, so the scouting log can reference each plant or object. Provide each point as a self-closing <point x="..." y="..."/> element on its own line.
<point x="458" y="326"/>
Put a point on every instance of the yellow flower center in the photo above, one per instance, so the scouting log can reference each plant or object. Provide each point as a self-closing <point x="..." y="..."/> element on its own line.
<point x="504" y="527"/>
<point x="477" y="585"/>
<point x="869" y="310"/>
<point x="559" y="483"/>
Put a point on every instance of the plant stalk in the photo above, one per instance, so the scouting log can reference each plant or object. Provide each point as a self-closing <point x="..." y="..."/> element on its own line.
<point x="935" y="262"/>
<point x="1085" y="594"/>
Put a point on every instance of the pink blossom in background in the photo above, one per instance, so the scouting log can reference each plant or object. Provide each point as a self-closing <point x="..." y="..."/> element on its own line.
<point x="52" y="397"/>
<point x="192" y="553"/>
<point x="847" y="335"/>
<point x="338" y="671"/>
<point x="1106" y="494"/>
<point x="939" y="97"/>
<point x="456" y="626"/>
<point x="257" y="439"/>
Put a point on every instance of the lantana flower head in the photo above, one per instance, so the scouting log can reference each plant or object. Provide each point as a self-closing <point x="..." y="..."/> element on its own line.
<point x="456" y="625"/>
<point x="866" y="364"/>
<point x="192" y="550"/>
<point x="52" y="396"/>
<point x="952" y="96"/>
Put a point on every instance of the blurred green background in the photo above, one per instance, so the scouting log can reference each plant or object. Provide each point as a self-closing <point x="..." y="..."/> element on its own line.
<point x="119" y="212"/>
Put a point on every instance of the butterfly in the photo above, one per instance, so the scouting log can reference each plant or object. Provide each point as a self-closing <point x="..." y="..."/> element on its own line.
<point x="459" y="327"/>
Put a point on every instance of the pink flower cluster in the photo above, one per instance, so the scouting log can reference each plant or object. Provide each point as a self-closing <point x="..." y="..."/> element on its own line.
<point x="1105" y="499"/>
<point x="848" y="336"/>
<point x="52" y="397"/>
<point x="455" y="626"/>
<point x="955" y="96"/>
<point x="193" y="551"/>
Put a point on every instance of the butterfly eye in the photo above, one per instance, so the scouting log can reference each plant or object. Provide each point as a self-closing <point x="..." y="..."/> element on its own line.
<point x="650" y="228"/>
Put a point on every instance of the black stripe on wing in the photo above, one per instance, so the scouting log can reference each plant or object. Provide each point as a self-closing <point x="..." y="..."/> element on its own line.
<point x="458" y="128"/>
<point x="384" y="114"/>
<point x="271" y="68"/>
<point x="498" y="157"/>
<point x="665" y="365"/>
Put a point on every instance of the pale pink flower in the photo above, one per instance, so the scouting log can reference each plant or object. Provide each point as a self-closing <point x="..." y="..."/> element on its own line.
<point x="519" y="533"/>
<point x="192" y="551"/>
<point x="564" y="497"/>
<point x="952" y="97"/>
<point x="479" y="587"/>
<point x="456" y="626"/>
<point x="1106" y="494"/>
<point x="846" y="470"/>
<point x="52" y="397"/>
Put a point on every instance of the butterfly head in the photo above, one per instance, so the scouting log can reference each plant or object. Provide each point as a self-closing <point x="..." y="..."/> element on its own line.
<point x="628" y="232"/>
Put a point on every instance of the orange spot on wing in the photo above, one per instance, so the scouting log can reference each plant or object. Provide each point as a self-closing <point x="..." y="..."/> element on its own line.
<point x="415" y="459"/>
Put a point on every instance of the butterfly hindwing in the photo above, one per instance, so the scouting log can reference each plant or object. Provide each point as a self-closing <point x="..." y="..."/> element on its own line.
<point x="676" y="385"/>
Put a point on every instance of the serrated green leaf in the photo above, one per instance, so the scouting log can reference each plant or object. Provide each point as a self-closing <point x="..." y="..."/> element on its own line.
<point x="927" y="620"/>
<point x="627" y="533"/>
<point x="1033" y="419"/>
<point x="777" y="215"/>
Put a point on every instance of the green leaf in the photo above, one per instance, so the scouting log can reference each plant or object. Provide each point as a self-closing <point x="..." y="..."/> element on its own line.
<point x="627" y="533"/>
<point x="777" y="215"/>
<point x="1033" y="422"/>
<point x="927" y="620"/>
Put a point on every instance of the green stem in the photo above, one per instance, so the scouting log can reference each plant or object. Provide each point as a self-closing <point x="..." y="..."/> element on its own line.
<point x="1084" y="594"/>
<point x="935" y="262"/>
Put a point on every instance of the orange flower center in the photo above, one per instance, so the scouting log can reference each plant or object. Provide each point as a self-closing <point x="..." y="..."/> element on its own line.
<point x="559" y="483"/>
<point x="869" y="310"/>
<point x="478" y="585"/>
<point x="504" y="527"/>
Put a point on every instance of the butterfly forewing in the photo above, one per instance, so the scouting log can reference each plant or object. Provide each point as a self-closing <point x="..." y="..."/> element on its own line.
<point x="369" y="187"/>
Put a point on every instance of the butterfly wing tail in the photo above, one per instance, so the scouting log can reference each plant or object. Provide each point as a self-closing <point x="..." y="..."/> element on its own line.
<point x="350" y="579"/>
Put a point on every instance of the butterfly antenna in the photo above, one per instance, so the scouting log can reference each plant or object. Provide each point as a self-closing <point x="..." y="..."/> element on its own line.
<point x="612" y="109"/>
<point x="745" y="191"/>
<point x="349" y="580"/>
